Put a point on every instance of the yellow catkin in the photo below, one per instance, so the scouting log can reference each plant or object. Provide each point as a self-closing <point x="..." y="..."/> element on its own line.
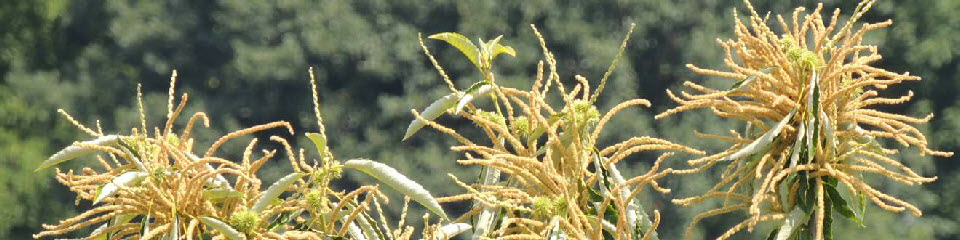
<point x="247" y="131"/>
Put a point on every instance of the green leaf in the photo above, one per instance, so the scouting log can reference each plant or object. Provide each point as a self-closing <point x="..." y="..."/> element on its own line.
<point x="450" y="230"/>
<point x="432" y="112"/>
<point x="493" y="48"/>
<point x="556" y="233"/>
<point x="100" y="229"/>
<point x="399" y="182"/>
<point x="174" y="233"/>
<point x="478" y="89"/>
<point x="462" y="43"/>
<point x="813" y="111"/>
<point x="320" y="142"/>
<point x="637" y="219"/>
<point x="483" y="223"/>
<point x="839" y="204"/>
<point x="792" y="224"/>
<point x="222" y="227"/>
<point x="283" y="219"/>
<point x="274" y="191"/>
<point x="124" y="180"/>
<point x="806" y="193"/>
<point x="798" y="146"/>
<point x="217" y="181"/>
<point x="220" y="194"/>
<point x="500" y="49"/>
<point x="762" y="141"/>
<point x="75" y="151"/>
<point x="827" y="222"/>
<point x="363" y="221"/>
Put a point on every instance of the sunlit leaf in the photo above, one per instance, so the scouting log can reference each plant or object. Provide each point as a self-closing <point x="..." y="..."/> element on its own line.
<point x="484" y="222"/>
<point x="792" y="223"/>
<point x="432" y="112"/>
<point x="368" y="230"/>
<point x="556" y="233"/>
<point x="397" y="181"/>
<point x="124" y="180"/>
<point x="635" y="213"/>
<point x="219" y="194"/>
<point x="494" y="48"/>
<point x="75" y="151"/>
<point x="222" y="227"/>
<point x="478" y="89"/>
<point x="761" y="142"/>
<point x="320" y="142"/>
<point x="274" y="191"/>
<point x="450" y="230"/>
<point x="175" y="229"/>
<point x="462" y="43"/>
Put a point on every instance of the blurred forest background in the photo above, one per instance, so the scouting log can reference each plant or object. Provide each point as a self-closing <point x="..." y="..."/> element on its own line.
<point x="245" y="63"/>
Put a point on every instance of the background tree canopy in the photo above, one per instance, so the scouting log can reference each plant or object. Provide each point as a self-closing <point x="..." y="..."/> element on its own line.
<point x="245" y="62"/>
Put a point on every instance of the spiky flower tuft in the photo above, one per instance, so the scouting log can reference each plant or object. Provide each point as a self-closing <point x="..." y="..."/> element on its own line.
<point x="244" y="221"/>
<point x="543" y="175"/>
<point x="807" y="97"/>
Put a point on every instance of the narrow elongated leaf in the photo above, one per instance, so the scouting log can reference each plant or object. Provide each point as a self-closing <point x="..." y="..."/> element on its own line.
<point x="839" y="204"/>
<point x="813" y="111"/>
<point x="828" y="132"/>
<point x="223" y="228"/>
<point x="320" y="142"/>
<point x="431" y="112"/>
<point x="795" y="155"/>
<point x="355" y="232"/>
<point x="486" y="218"/>
<point x="761" y="142"/>
<point x="791" y="224"/>
<point x="368" y="230"/>
<point x="124" y="180"/>
<point x="450" y="230"/>
<point x="100" y="229"/>
<point x="119" y="219"/>
<point x="557" y="233"/>
<point x="74" y="151"/>
<point x="132" y="154"/>
<point x="175" y="229"/>
<point x="219" y="194"/>
<point x="635" y="213"/>
<point x="274" y="191"/>
<point x="399" y="182"/>
<point x="462" y="43"/>
<point x="145" y="225"/>
<point x="218" y="181"/>
<point x="480" y="89"/>
<point x="828" y="222"/>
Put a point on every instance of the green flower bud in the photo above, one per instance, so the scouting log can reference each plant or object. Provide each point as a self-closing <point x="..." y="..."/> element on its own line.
<point x="584" y="112"/>
<point x="542" y="207"/>
<point x="492" y="116"/>
<point x="520" y="126"/>
<point x="315" y="200"/>
<point x="244" y="221"/>
<point x="560" y="205"/>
